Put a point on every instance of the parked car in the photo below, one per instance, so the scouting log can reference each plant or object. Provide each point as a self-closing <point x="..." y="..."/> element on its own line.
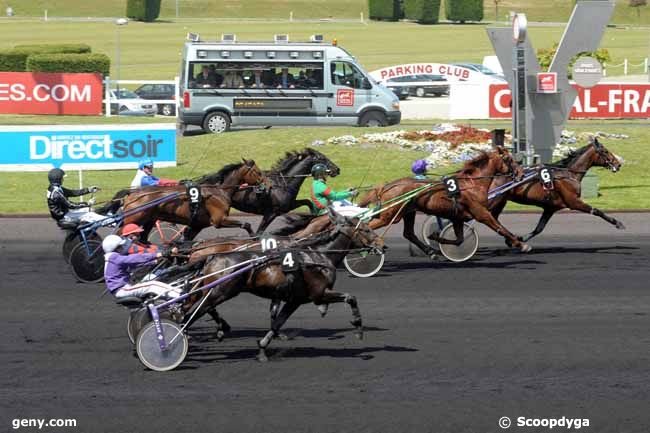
<point x="159" y="91"/>
<point x="421" y="84"/>
<point x="122" y="106"/>
<point x="400" y="91"/>
<point x="482" y="70"/>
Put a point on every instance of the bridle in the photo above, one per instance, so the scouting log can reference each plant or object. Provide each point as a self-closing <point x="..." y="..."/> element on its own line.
<point x="604" y="156"/>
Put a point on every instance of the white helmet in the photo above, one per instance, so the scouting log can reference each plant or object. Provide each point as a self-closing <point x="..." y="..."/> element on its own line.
<point x="111" y="243"/>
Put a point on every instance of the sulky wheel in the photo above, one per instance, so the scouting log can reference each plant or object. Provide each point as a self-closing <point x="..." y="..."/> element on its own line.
<point x="71" y="241"/>
<point x="430" y="226"/>
<point x="139" y="318"/>
<point x="149" y="350"/>
<point x="463" y="251"/>
<point x="164" y="233"/>
<point x="364" y="263"/>
<point x="87" y="261"/>
<point x="130" y="330"/>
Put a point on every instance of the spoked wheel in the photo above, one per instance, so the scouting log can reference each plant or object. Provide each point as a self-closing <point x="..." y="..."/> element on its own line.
<point x="431" y="226"/>
<point x="72" y="240"/>
<point x="164" y="233"/>
<point x="365" y="263"/>
<point x="149" y="350"/>
<point x="463" y="251"/>
<point x="88" y="262"/>
<point x="138" y="319"/>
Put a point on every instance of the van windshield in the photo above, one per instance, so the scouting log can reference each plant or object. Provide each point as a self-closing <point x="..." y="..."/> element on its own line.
<point x="249" y="75"/>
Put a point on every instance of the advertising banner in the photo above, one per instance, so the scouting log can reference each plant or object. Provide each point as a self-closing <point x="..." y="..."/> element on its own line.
<point x="86" y="147"/>
<point x="50" y="93"/>
<point x="450" y="72"/>
<point x="603" y="101"/>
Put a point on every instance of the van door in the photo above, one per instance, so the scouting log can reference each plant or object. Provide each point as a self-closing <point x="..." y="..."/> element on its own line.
<point x="346" y="82"/>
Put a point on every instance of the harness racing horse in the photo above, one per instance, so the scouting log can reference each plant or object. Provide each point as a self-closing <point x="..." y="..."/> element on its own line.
<point x="286" y="178"/>
<point x="564" y="193"/>
<point x="471" y="202"/>
<point x="213" y="205"/>
<point x="296" y="276"/>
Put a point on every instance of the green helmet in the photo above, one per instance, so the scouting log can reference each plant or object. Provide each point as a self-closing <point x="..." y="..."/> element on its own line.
<point x="319" y="170"/>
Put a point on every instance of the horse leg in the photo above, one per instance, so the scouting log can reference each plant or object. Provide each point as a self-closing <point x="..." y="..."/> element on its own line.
<point x="459" y="231"/>
<point x="222" y="326"/>
<point x="287" y="310"/>
<point x="541" y="224"/>
<point x="330" y="297"/>
<point x="409" y="234"/>
<point x="146" y="231"/>
<point x="267" y="219"/>
<point x="574" y="202"/>
<point x="230" y="223"/>
<point x="274" y="309"/>
<point x="481" y="214"/>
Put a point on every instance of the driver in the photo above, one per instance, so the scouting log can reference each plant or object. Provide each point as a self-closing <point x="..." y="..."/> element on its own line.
<point x="322" y="195"/>
<point x="144" y="176"/>
<point x="131" y="234"/>
<point x="119" y="265"/>
<point x="62" y="209"/>
<point x="419" y="169"/>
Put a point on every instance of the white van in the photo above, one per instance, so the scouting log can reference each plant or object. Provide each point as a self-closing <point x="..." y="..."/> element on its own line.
<point x="279" y="83"/>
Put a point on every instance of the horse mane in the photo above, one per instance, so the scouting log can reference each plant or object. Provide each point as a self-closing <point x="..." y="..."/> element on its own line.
<point x="571" y="157"/>
<point x="289" y="158"/>
<point x="219" y="176"/>
<point x="479" y="161"/>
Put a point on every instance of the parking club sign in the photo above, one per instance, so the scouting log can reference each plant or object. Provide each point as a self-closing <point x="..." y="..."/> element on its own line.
<point x="86" y="147"/>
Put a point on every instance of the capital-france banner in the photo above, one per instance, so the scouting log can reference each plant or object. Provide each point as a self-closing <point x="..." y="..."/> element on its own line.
<point x="86" y="147"/>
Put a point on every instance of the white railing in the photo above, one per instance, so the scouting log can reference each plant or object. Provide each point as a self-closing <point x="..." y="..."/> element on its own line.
<point x="626" y="65"/>
<point x="108" y="99"/>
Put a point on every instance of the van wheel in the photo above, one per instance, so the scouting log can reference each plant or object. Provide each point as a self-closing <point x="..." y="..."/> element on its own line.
<point x="419" y="92"/>
<point x="216" y="123"/>
<point x="373" y="119"/>
<point x="167" y="110"/>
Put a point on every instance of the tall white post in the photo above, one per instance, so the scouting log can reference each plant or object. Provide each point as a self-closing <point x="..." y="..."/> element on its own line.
<point x="625" y="67"/>
<point x="107" y="96"/>
<point x="291" y="16"/>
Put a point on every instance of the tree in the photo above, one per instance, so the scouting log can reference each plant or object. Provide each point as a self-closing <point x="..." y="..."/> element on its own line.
<point x="637" y="4"/>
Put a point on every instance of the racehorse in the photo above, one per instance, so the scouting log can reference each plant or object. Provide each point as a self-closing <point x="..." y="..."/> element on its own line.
<point x="213" y="206"/>
<point x="311" y="278"/>
<point x="473" y="182"/>
<point x="286" y="177"/>
<point x="567" y="175"/>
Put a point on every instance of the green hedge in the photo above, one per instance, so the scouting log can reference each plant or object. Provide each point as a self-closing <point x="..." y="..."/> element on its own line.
<point x="422" y="11"/>
<point x="464" y="10"/>
<point x="388" y="10"/>
<point x="143" y="10"/>
<point x="69" y="63"/>
<point x="55" y="48"/>
<point x="13" y="60"/>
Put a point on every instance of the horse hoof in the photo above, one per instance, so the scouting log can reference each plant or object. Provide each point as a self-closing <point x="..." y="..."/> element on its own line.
<point x="359" y="335"/>
<point x="525" y="248"/>
<point x="225" y="327"/>
<point x="508" y="243"/>
<point x="261" y="357"/>
<point x="620" y="225"/>
<point x="220" y="335"/>
<point x="283" y="337"/>
<point x="323" y="309"/>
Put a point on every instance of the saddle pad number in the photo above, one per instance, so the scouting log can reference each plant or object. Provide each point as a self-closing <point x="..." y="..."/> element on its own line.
<point x="195" y="194"/>
<point x="289" y="262"/>
<point x="451" y="185"/>
<point x="269" y="244"/>
<point x="546" y="177"/>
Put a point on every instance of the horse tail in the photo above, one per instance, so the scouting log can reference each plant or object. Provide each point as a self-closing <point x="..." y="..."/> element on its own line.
<point x="292" y="223"/>
<point x="114" y="204"/>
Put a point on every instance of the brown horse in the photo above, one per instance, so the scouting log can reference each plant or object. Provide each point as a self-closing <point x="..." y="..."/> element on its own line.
<point x="565" y="194"/>
<point x="312" y="280"/>
<point x="212" y="209"/>
<point x="473" y="182"/>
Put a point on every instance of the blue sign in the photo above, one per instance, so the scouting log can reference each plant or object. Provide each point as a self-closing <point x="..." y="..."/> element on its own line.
<point x="86" y="147"/>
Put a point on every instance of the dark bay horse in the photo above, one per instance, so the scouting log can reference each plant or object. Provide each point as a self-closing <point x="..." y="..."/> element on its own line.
<point x="312" y="281"/>
<point x="213" y="209"/>
<point x="473" y="181"/>
<point x="286" y="178"/>
<point x="567" y="175"/>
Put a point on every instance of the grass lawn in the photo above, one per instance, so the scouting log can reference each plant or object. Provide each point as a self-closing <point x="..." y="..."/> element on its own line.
<point x="153" y="51"/>
<point x="628" y="189"/>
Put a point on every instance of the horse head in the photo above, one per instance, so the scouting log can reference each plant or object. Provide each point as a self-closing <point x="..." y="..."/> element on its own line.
<point x="506" y="164"/>
<point x="316" y="157"/>
<point x="357" y="231"/>
<point x="252" y="175"/>
<point x="603" y="157"/>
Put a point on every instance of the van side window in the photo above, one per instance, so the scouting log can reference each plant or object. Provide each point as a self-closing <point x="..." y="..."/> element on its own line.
<point x="346" y="74"/>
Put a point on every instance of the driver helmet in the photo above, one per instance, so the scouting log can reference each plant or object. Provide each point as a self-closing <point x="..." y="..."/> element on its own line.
<point x="130" y="229"/>
<point x="319" y="170"/>
<point x="112" y="243"/>
<point x="419" y="166"/>
<point x="55" y="176"/>
<point x="145" y="163"/>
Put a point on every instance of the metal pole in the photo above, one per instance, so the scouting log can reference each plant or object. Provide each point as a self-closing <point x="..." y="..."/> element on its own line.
<point x="117" y="59"/>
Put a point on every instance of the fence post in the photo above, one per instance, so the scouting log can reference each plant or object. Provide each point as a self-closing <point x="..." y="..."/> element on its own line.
<point x="625" y="67"/>
<point x="107" y="95"/>
<point x="645" y="66"/>
<point x="177" y="90"/>
<point x="291" y="16"/>
<point x="361" y="17"/>
<point x="604" y="69"/>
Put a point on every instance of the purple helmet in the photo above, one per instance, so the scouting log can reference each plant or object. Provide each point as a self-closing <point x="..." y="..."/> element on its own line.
<point x="419" y="166"/>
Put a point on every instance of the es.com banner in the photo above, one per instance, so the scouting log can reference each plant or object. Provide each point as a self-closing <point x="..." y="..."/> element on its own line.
<point x="50" y="93"/>
<point x="86" y="147"/>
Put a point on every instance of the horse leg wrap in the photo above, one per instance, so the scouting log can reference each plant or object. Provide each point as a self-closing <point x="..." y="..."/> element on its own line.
<point x="267" y="339"/>
<point x="323" y="309"/>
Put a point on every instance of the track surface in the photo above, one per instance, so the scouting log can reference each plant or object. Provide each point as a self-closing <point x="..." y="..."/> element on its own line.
<point x="562" y="331"/>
